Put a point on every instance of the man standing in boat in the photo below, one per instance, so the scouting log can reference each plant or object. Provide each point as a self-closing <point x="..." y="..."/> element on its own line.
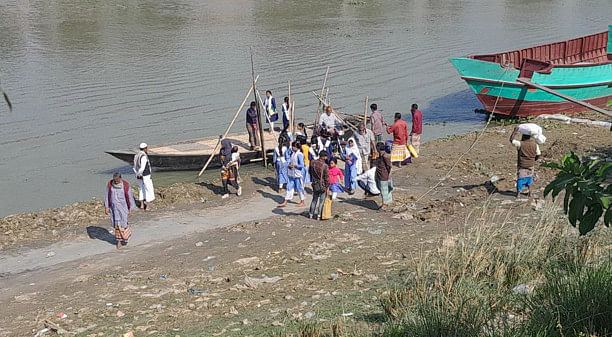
<point x="329" y="121"/>
<point x="270" y="108"/>
<point x="417" y="127"/>
<point x="377" y="123"/>
<point x="142" y="169"/>
<point x="251" y="125"/>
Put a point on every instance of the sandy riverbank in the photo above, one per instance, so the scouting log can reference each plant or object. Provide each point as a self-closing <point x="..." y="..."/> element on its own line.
<point x="347" y="260"/>
<point x="493" y="156"/>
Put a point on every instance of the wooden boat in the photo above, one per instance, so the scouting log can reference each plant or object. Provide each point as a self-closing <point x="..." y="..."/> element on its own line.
<point x="192" y="154"/>
<point x="563" y="77"/>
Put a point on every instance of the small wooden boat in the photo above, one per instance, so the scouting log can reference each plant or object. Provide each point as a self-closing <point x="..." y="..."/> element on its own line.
<point x="192" y="154"/>
<point x="563" y="77"/>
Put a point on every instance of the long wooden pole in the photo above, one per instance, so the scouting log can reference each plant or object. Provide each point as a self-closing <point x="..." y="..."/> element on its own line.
<point x="565" y="97"/>
<point x="259" y="121"/>
<point x="212" y="155"/>
<point x="365" y="112"/>
<point x="227" y="131"/>
<point x="334" y="111"/>
<point x="289" y="108"/>
<point x="293" y="115"/>
<point x="322" y="92"/>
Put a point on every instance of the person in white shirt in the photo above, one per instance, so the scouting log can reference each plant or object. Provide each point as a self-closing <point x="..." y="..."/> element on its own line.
<point x="367" y="181"/>
<point x="329" y="120"/>
<point x="142" y="169"/>
<point x="270" y="109"/>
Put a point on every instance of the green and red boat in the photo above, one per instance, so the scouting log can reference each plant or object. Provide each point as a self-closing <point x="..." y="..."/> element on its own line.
<point x="540" y="80"/>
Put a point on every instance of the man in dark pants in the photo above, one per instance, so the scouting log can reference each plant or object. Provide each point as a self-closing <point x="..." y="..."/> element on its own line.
<point x="319" y="174"/>
<point x="251" y="125"/>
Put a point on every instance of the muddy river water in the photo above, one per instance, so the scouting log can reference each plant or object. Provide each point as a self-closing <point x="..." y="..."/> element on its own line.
<point x="87" y="76"/>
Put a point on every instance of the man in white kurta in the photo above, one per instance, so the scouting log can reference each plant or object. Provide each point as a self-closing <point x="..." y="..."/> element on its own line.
<point x="142" y="169"/>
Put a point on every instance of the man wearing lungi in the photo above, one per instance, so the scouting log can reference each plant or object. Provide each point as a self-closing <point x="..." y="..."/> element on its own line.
<point x="399" y="129"/>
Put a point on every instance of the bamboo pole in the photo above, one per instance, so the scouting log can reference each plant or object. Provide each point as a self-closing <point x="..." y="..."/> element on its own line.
<point x="322" y="92"/>
<point x="365" y="112"/>
<point x="259" y="121"/>
<point x="293" y="115"/>
<point x="334" y="111"/>
<point x="212" y="155"/>
<point x="228" y="129"/>
<point x="289" y="108"/>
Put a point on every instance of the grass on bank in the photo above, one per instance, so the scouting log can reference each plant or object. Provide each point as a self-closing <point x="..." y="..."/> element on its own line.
<point x="500" y="278"/>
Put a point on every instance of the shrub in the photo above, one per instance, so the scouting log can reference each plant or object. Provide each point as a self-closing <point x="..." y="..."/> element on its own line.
<point x="573" y="304"/>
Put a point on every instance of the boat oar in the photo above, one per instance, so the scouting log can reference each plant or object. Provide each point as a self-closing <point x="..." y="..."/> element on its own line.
<point x="212" y="154"/>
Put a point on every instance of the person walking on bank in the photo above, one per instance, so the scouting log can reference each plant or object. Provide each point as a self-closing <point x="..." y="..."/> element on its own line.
<point x="383" y="176"/>
<point x="417" y="127"/>
<point x="286" y="107"/>
<point x="377" y="123"/>
<point x="229" y="172"/>
<point x="251" y="125"/>
<point x="296" y="180"/>
<point x="270" y="108"/>
<point x="528" y="152"/>
<point x="365" y="142"/>
<point x="119" y="203"/>
<point x="399" y="129"/>
<point x="142" y="169"/>
<point x="319" y="174"/>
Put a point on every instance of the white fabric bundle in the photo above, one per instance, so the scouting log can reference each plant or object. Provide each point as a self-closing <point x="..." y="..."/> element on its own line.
<point x="534" y="131"/>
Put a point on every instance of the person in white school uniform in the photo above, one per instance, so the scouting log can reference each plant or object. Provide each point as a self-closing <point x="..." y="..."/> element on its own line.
<point x="142" y="169"/>
<point x="270" y="108"/>
<point x="296" y="179"/>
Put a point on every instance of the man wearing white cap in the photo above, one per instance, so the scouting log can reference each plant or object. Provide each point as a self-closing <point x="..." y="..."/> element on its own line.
<point x="142" y="168"/>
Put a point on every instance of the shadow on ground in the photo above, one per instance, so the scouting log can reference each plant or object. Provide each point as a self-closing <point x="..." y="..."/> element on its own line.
<point x="100" y="233"/>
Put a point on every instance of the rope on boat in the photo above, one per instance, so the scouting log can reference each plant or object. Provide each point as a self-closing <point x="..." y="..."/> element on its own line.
<point x="413" y="205"/>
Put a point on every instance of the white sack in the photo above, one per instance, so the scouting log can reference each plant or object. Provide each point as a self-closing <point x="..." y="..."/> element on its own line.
<point x="530" y="129"/>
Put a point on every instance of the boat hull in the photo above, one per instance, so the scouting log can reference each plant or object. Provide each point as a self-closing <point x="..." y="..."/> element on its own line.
<point x="181" y="162"/>
<point x="492" y="83"/>
<point x="522" y="108"/>
<point x="580" y="68"/>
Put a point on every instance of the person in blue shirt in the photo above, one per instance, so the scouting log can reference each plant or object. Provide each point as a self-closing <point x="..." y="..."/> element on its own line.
<point x="296" y="179"/>
<point x="280" y="162"/>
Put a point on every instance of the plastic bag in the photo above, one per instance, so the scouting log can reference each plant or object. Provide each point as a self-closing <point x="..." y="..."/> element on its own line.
<point x="327" y="209"/>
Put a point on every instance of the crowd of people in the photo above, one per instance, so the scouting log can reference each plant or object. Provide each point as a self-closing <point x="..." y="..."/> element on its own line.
<point x="300" y="161"/>
<point x="367" y="159"/>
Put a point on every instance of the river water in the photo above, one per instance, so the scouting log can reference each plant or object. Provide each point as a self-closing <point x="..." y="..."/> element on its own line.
<point x="87" y="76"/>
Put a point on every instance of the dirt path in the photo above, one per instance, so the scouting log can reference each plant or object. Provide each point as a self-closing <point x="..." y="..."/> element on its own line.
<point x="163" y="226"/>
